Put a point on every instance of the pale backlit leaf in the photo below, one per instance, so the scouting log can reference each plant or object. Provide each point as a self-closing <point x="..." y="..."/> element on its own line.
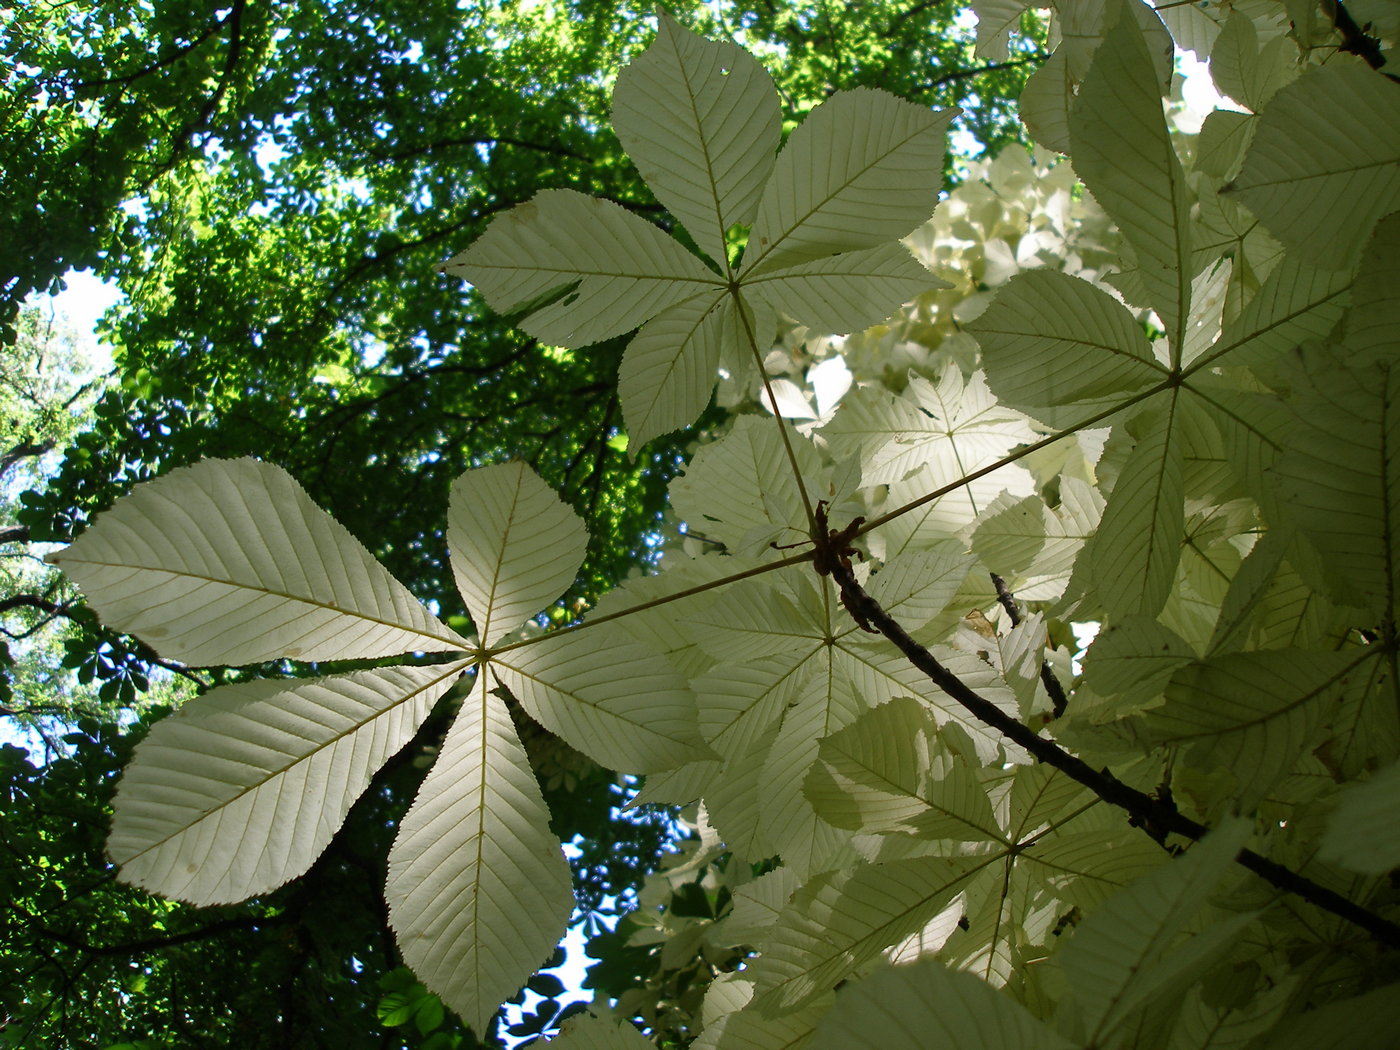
<point x="1297" y="302"/>
<point x="574" y="270"/>
<point x="229" y="562"/>
<point x="613" y="700"/>
<point x="242" y="789"/>
<point x="1325" y="162"/>
<point x="1125" y="156"/>
<point x="862" y="169"/>
<point x="925" y="1006"/>
<point x="478" y="887"/>
<point x="744" y="486"/>
<point x="1133" y="659"/>
<point x="700" y="120"/>
<point x="875" y="775"/>
<point x="840" y="920"/>
<point x="847" y="292"/>
<point x="669" y="370"/>
<point x="1060" y="349"/>
<point x="515" y="545"/>
<point x="1248" y="73"/>
<point x="1131" y="560"/>
<point x="592" y="1032"/>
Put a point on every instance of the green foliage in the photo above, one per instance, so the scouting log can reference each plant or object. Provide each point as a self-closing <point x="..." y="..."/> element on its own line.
<point x="1182" y="432"/>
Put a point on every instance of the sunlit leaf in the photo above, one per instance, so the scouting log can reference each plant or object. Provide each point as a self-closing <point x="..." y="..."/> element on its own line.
<point x="229" y="562"/>
<point x="243" y="788"/>
<point x="925" y="1006"/>
<point x="700" y="119"/>
<point x="862" y="169"/>
<point x="578" y="269"/>
<point x="613" y="700"/>
<point x="478" y="888"/>
<point x="515" y="545"/>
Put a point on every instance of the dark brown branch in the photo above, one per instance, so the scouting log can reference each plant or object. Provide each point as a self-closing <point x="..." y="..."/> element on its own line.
<point x="14" y="533"/>
<point x="1354" y="39"/>
<point x="991" y="67"/>
<point x="1154" y="814"/>
<point x="1058" y="701"/>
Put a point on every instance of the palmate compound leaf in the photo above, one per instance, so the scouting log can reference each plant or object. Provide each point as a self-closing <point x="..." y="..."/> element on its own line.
<point x="515" y="545"/>
<point x="478" y="887"/>
<point x="925" y="1006"/>
<point x="700" y="120"/>
<point x="702" y="123"/>
<point x="229" y="562"/>
<point x="243" y="787"/>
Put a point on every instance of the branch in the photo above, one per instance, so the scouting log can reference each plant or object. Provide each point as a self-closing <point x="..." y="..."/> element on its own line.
<point x="1058" y="701"/>
<point x="1151" y="813"/>
<point x="1354" y="39"/>
<point x="14" y="533"/>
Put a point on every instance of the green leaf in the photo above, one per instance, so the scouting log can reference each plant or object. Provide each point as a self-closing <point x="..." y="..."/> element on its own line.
<point x="741" y="490"/>
<point x="1060" y="349"/>
<point x="700" y="120"/>
<point x="1339" y="479"/>
<point x="669" y="370"/>
<point x="1373" y="328"/>
<point x="1125" y="156"/>
<point x="1366" y="1022"/>
<point x="1133" y="659"/>
<point x="1363" y="832"/>
<point x="878" y="774"/>
<point x="515" y="545"/>
<point x="624" y="707"/>
<point x="1131" y="561"/>
<point x="626" y="270"/>
<point x="1324" y="165"/>
<point x="1296" y="303"/>
<point x="592" y="1032"/>
<point x="229" y="562"/>
<point x="1246" y="72"/>
<point x="846" y="293"/>
<point x="1253" y="713"/>
<point x="478" y="889"/>
<point x="1123" y="953"/>
<point x="243" y="788"/>
<point x="862" y="169"/>
<point x="924" y="1006"/>
<point x="841" y="920"/>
